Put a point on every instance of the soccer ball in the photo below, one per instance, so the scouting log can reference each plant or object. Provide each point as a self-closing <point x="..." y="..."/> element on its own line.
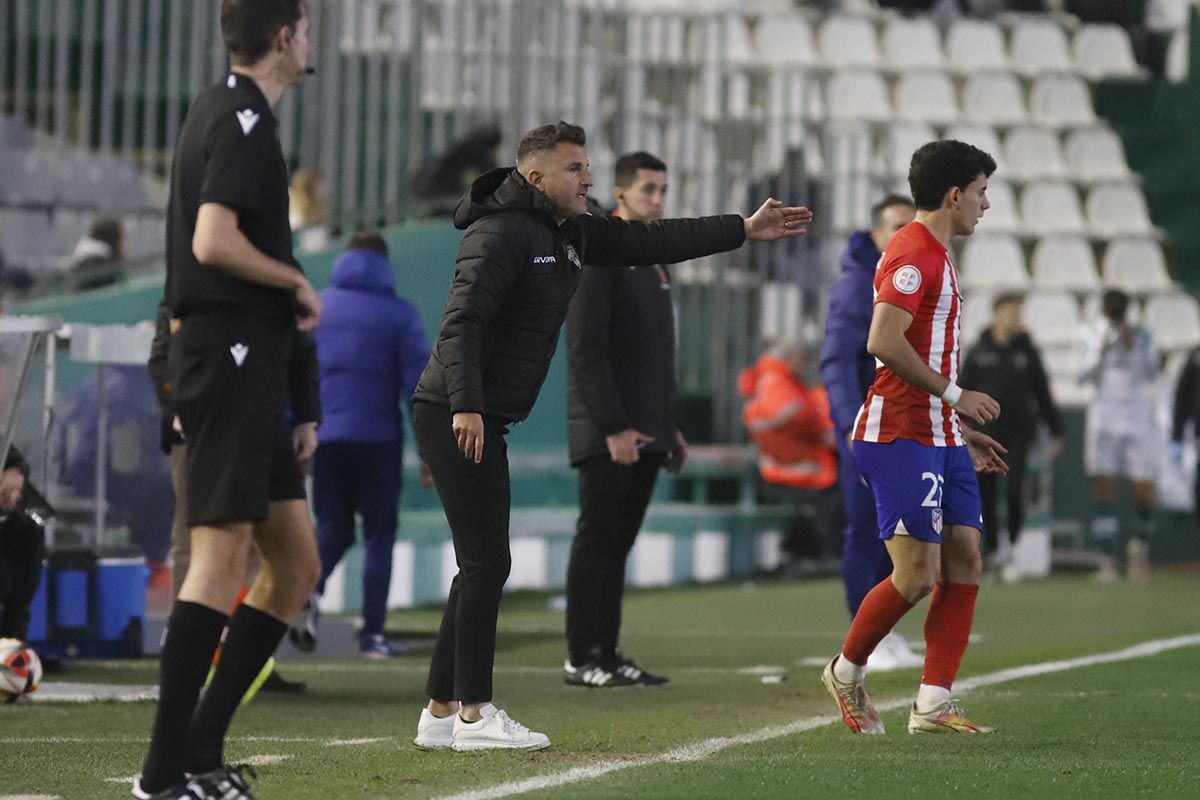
<point x="20" y="670"/>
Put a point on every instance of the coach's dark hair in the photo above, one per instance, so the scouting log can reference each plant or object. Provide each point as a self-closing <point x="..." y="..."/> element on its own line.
<point x="626" y="169"/>
<point x="886" y="203"/>
<point x="248" y="26"/>
<point x="548" y="137"/>
<point x="108" y="230"/>
<point x="1114" y="303"/>
<point x="938" y="166"/>
<point x="368" y="239"/>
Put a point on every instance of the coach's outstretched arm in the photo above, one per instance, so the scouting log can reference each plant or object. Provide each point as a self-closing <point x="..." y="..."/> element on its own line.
<point x="611" y="241"/>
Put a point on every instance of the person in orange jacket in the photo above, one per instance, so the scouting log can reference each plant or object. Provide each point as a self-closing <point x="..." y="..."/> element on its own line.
<point x="791" y="423"/>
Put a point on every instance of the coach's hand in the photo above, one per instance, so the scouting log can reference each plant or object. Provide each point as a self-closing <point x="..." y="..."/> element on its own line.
<point x="12" y="484"/>
<point x="308" y="306"/>
<point x="775" y="221"/>
<point x="978" y="406"/>
<point x="985" y="452"/>
<point x="468" y="429"/>
<point x="623" y="446"/>
<point x="304" y="441"/>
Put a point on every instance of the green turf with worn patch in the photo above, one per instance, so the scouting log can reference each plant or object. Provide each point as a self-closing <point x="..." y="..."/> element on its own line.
<point x="1118" y="730"/>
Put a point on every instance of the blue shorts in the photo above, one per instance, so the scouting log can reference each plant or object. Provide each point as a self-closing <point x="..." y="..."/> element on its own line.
<point x="920" y="488"/>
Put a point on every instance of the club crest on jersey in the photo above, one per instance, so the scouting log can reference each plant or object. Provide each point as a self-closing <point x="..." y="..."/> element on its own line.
<point x="907" y="280"/>
<point x="937" y="521"/>
<point x="573" y="257"/>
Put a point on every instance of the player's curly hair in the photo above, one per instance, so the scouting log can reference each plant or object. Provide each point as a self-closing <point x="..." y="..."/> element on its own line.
<point x="548" y="137"/>
<point x="248" y="26"/>
<point x="939" y="166"/>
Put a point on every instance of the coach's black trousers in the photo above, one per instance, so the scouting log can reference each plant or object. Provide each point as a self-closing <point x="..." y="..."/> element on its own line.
<point x="22" y="549"/>
<point x="476" y="498"/>
<point x="1016" y="458"/>
<point x="612" y="504"/>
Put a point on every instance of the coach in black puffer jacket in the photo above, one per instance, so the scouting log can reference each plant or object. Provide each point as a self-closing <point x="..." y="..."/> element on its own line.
<point x="514" y="277"/>
<point x="517" y="267"/>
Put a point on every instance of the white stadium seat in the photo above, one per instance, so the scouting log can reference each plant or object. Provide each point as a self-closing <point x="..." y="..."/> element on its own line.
<point x="974" y="45"/>
<point x="1002" y="216"/>
<point x="1032" y="153"/>
<point x="1052" y="318"/>
<point x="1062" y="101"/>
<point x="993" y="99"/>
<point x="900" y="142"/>
<point x="858" y="94"/>
<point x="1173" y="320"/>
<point x="1136" y="265"/>
<point x="1104" y="51"/>
<point x="1040" y="46"/>
<point x="1118" y="209"/>
<point x="994" y="263"/>
<point x="912" y="43"/>
<point x="1096" y="154"/>
<point x="1066" y="263"/>
<point x="976" y="315"/>
<point x="1051" y="207"/>
<point x="926" y="97"/>
<point x="786" y="40"/>
<point x="848" y="42"/>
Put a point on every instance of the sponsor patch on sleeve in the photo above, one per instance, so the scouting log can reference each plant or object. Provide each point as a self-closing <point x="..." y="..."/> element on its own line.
<point x="907" y="280"/>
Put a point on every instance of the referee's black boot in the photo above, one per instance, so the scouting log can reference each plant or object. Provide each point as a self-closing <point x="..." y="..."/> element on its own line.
<point x="180" y="791"/>
<point x="627" y="668"/>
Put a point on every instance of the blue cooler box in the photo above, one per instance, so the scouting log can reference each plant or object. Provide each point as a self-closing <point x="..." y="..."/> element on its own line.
<point x="89" y="605"/>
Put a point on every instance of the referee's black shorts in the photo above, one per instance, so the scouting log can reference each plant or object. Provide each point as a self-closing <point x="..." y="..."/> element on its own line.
<point x="230" y="375"/>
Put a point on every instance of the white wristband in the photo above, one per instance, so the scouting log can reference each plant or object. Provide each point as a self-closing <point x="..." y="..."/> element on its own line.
<point x="952" y="394"/>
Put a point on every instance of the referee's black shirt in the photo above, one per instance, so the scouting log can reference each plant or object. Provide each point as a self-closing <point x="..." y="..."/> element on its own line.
<point x="228" y="153"/>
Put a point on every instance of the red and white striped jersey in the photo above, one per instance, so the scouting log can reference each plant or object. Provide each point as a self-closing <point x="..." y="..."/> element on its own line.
<point x="915" y="273"/>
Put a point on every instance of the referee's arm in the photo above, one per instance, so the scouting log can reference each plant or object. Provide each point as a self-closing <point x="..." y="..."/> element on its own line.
<point x="219" y="242"/>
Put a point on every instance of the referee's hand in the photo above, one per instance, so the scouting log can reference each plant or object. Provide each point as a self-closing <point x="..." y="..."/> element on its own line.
<point x="468" y="430"/>
<point x="308" y="307"/>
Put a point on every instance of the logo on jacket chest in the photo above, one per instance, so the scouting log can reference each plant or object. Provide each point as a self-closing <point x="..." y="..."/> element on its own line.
<point x="573" y="256"/>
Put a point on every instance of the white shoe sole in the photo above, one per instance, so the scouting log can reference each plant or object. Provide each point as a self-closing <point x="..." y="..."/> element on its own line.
<point x="472" y="745"/>
<point x="433" y="744"/>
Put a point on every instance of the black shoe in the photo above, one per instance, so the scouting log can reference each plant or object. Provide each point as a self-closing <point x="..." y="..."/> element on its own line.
<point x="277" y="683"/>
<point x="594" y="675"/>
<point x="226" y="783"/>
<point x="627" y="668"/>
<point x="180" y="791"/>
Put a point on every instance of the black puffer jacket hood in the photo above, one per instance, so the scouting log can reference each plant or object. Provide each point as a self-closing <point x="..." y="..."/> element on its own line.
<point x="497" y="190"/>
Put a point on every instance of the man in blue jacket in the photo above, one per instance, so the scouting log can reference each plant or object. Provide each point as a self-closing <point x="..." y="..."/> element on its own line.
<point x="371" y="348"/>
<point x="847" y="370"/>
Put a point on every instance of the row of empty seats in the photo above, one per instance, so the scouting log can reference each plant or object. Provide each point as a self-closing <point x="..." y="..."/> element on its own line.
<point x="987" y="98"/>
<point x="1033" y="46"/>
<point x="43" y="241"/>
<point x="992" y="262"/>
<point x="70" y="176"/>
<point x="1058" y="322"/>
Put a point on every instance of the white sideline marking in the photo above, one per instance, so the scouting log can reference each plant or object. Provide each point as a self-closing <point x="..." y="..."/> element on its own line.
<point x="30" y="797"/>
<point x="356" y="742"/>
<point x="267" y="760"/>
<point x="701" y="750"/>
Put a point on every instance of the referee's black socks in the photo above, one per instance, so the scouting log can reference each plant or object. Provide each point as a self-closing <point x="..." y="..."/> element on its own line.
<point x="193" y="633"/>
<point x="252" y="638"/>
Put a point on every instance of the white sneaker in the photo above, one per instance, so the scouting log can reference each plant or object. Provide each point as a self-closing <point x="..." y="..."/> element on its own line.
<point x="496" y="731"/>
<point x="435" y="733"/>
<point x="891" y="653"/>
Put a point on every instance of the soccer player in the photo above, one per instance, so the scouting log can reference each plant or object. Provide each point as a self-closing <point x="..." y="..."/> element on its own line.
<point x="911" y="447"/>
<point x="235" y="294"/>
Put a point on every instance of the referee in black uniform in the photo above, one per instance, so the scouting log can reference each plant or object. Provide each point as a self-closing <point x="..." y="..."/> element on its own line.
<point x="235" y="291"/>
<point x="527" y="237"/>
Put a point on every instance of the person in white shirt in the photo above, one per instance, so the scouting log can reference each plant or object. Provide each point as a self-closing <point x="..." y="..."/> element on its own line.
<point x="1122" y="436"/>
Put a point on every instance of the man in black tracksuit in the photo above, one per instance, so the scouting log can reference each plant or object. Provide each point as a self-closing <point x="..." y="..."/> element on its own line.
<point x="22" y="549"/>
<point x="621" y="429"/>
<point x="518" y="265"/>
<point x="1006" y="364"/>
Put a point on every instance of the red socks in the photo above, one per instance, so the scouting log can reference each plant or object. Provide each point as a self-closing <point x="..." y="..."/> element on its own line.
<point x="947" y="628"/>
<point x="879" y="612"/>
